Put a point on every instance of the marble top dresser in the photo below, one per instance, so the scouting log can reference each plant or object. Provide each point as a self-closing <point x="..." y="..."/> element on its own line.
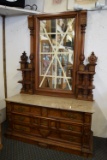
<point x="52" y="122"/>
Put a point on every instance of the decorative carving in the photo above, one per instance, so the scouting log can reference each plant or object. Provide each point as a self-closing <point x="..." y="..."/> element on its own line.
<point x="85" y="79"/>
<point x="83" y="22"/>
<point x="27" y="69"/>
<point x="23" y="62"/>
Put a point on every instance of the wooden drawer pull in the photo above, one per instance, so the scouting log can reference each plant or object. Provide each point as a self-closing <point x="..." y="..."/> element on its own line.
<point x="44" y="123"/>
<point x="69" y="115"/>
<point x="70" y="127"/>
<point x="71" y="139"/>
<point x="23" y="129"/>
<point x="21" y="118"/>
<point x="20" y="109"/>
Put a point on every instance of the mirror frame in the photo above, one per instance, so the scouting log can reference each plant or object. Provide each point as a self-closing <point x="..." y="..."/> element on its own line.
<point x="34" y="26"/>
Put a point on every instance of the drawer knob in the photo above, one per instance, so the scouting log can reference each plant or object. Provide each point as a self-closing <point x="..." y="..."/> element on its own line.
<point x="21" y="119"/>
<point x="70" y="128"/>
<point x="71" y="139"/>
<point x="20" y="109"/>
<point x="69" y="115"/>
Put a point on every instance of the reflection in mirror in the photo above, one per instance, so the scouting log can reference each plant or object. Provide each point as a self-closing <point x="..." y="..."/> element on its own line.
<point x="56" y="53"/>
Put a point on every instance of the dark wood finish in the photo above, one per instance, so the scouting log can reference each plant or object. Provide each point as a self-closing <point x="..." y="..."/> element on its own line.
<point x="85" y="78"/>
<point x="64" y="130"/>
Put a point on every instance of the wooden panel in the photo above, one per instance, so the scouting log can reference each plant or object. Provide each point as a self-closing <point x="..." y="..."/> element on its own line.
<point x="21" y="108"/>
<point x="71" y="139"/>
<point x="21" y="119"/>
<point x="54" y="113"/>
<point x="77" y="116"/>
<point x="8" y="107"/>
<point x="36" y="110"/>
<point x="21" y="128"/>
<point x="71" y="127"/>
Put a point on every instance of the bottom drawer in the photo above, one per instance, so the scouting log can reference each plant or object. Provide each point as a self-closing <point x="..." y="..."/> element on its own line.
<point x="71" y="138"/>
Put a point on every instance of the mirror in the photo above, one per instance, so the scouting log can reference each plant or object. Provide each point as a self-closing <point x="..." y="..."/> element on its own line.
<point x="57" y="50"/>
<point x="56" y="53"/>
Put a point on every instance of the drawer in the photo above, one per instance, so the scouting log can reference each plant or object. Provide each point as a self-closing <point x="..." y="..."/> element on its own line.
<point x="54" y="113"/>
<point x="21" y="119"/>
<point x="44" y="122"/>
<point x="77" y="116"/>
<point x="21" y="108"/>
<point x="71" y="127"/>
<point x="21" y="128"/>
<point x="71" y="138"/>
<point x="36" y="110"/>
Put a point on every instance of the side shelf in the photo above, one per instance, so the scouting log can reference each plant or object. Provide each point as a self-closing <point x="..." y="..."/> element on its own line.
<point x="27" y="70"/>
<point x="85" y="77"/>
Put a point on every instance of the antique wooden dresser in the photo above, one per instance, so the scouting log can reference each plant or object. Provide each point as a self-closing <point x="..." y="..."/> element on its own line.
<point x="53" y="122"/>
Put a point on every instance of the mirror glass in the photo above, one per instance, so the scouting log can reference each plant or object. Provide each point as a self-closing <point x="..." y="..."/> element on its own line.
<point x="56" y="53"/>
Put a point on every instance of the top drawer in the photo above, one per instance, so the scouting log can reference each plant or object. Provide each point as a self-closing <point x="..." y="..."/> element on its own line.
<point x="77" y="116"/>
<point x="21" y="108"/>
<point x="68" y="115"/>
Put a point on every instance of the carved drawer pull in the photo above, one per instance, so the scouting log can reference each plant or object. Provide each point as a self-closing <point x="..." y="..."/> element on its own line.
<point x="21" y="118"/>
<point x="69" y="115"/>
<point x="71" y="139"/>
<point x="70" y="128"/>
<point x="44" y="123"/>
<point x="22" y="129"/>
<point x="21" y="109"/>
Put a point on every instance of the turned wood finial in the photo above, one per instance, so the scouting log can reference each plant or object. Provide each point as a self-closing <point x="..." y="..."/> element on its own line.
<point x="24" y="57"/>
<point x="92" y="59"/>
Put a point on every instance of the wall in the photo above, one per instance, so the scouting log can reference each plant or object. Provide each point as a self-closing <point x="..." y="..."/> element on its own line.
<point x="96" y="40"/>
<point x="2" y="102"/>
<point x="18" y="40"/>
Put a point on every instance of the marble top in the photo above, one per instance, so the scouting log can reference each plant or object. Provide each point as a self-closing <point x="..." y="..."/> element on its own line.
<point x="54" y="102"/>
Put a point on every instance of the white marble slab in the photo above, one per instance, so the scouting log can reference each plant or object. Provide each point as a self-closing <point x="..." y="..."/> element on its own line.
<point x="54" y="102"/>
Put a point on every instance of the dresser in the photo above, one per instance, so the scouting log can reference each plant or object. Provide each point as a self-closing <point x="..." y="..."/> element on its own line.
<point x="52" y="122"/>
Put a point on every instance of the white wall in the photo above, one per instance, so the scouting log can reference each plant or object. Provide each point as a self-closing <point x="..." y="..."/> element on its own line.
<point x="2" y="102"/>
<point x="18" y="40"/>
<point x="96" y="40"/>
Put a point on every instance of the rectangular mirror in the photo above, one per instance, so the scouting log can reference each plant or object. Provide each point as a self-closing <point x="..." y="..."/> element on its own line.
<point x="56" y="53"/>
<point x="57" y="40"/>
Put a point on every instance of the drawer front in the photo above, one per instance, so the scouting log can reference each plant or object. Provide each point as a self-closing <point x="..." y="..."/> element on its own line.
<point x="44" y="122"/>
<point x="71" y="138"/>
<point x="21" y="108"/>
<point x="54" y="113"/>
<point x="71" y="127"/>
<point x="77" y="116"/>
<point x="36" y="110"/>
<point x="21" y="128"/>
<point x="21" y="119"/>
